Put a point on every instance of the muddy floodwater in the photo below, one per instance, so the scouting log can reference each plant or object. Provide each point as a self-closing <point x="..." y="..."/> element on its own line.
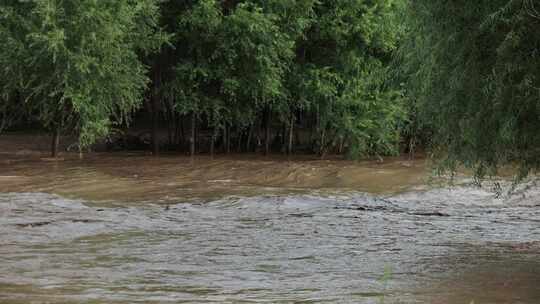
<point x="133" y="229"/>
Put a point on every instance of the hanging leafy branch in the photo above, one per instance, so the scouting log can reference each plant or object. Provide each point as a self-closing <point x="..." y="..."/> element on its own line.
<point x="470" y="67"/>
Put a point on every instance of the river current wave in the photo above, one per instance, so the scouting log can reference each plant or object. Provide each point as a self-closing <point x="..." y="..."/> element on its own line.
<point x="436" y="246"/>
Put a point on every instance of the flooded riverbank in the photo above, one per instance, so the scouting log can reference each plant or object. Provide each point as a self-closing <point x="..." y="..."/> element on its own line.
<point x="127" y="228"/>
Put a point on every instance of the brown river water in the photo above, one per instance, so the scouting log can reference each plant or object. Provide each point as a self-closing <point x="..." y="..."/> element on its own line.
<point x="128" y="228"/>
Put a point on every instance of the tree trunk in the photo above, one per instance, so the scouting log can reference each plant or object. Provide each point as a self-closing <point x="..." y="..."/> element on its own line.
<point x="322" y="150"/>
<point x="267" y="131"/>
<point x="315" y="130"/>
<point x="176" y="139"/>
<point x="182" y="140"/>
<point x="155" y="140"/>
<point x="412" y="146"/>
<point x="170" y="133"/>
<point x="248" y="141"/>
<point x="212" y="144"/>
<point x="224" y="140"/>
<point x="291" y="134"/>
<point x="81" y="153"/>
<point x="239" y="143"/>
<point x="55" y="142"/>
<point x="227" y="139"/>
<point x="171" y="128"/>
<point x="155" y="103"/>
<point x="297" y="137"/>
<point x="192" y="138"/>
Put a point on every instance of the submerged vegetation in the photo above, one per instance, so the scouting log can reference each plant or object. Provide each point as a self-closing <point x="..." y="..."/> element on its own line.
<point x="362" y="77"/>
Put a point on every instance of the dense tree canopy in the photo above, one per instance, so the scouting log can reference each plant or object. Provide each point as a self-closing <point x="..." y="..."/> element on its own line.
<point x="74" y="65"/>
<point x="322" y="63"/>
<point x="280" y="75"/>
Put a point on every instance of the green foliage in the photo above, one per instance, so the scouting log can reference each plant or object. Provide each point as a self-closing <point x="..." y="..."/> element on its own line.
<point x="344" y="64"/>
<point x="76" y="63"/>
<point x="328" y="58"/>
<point x="472" y="74"/>
<point x="230" y="64"/>
<point x="76" y="66"/>
<point x="386" y="277"/>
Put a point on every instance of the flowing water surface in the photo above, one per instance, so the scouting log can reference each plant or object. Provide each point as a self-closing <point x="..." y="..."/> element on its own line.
<point x="419" y="246"/>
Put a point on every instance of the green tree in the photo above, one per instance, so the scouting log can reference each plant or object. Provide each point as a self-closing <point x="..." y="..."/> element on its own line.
<point x="245" y="62"/>
<point x="76" y="63"/>
<point x="343" y="60"/>
<point x="232" y="63"/>
<point x="472" y="71"/>
<point x="236" y="67"/>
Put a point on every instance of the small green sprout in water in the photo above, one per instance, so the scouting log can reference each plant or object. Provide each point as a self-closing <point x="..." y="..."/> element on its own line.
<point x="387" y="275"/>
